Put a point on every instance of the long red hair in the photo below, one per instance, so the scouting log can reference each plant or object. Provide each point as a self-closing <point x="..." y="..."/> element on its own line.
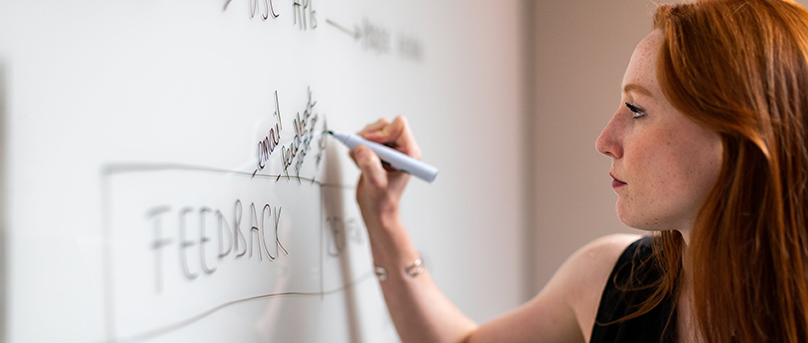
<point x="740" y="69"/>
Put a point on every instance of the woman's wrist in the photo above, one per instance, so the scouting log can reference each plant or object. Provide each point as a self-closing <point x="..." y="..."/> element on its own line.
<point x="412" y="271"/>
<point x="391" y="246"/>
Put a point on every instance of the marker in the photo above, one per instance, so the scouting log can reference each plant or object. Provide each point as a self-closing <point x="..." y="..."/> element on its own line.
<point x="394" y="158"/>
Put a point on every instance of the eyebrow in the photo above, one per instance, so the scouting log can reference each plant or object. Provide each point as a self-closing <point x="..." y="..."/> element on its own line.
<point x="637" y="88"/>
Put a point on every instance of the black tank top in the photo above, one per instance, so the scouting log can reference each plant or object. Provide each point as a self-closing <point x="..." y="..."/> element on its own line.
<point x="622" y="296"/>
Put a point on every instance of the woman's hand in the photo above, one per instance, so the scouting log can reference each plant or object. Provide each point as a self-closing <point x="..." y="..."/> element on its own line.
<point x="380" y="187"/>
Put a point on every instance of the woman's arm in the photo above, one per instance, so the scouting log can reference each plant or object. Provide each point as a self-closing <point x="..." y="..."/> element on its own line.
<point x="421" y="313"/>
<point x="565" y="310"/>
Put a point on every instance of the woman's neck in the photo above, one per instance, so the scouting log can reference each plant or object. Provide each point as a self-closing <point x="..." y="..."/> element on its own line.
<point x="686" y="324"/>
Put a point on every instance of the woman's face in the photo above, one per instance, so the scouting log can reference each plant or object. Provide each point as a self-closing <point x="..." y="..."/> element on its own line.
<point x="663" y="164"/>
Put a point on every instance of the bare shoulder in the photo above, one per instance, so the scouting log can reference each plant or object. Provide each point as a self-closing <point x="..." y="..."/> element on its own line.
<point x="602" y="252"/>
<point x="583" y="276"/>
<point x="564" y="311"/>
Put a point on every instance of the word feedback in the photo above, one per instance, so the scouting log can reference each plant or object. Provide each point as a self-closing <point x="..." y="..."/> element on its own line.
<point x="232" y="240"/>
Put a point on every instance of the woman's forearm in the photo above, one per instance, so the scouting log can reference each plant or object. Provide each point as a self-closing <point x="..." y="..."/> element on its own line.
<point x="420" y="311"/>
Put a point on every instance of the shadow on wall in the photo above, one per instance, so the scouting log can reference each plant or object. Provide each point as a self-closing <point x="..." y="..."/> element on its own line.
<point x="332" y="200"/>
<point x="283" y="315"/>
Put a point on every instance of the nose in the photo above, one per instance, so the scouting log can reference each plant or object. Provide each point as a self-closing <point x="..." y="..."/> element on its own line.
<point x="608" y="142"/>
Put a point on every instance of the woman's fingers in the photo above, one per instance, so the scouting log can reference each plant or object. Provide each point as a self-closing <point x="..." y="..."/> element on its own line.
<point x="378" y="125"/>
<point x="371" y="166"/>
<point x="380" y="187"/>
<point x="398" y="134"/>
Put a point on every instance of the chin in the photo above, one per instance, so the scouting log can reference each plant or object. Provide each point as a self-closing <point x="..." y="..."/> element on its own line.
<point x="647" y="223"/>
<point x="637" y="221"/>
<point x="639" y="225"/>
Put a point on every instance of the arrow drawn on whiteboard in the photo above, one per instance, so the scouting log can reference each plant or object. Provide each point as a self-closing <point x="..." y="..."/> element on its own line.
<point x="356" y="33"/>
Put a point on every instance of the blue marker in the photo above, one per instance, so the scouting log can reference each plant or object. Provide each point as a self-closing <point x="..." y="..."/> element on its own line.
<point x="394" y="158"/>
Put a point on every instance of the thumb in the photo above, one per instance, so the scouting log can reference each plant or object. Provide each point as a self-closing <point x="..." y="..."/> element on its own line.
<point x="371" y="166"/>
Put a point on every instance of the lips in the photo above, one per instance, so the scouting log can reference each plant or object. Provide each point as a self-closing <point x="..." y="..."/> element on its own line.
<point x="617" y="182"/>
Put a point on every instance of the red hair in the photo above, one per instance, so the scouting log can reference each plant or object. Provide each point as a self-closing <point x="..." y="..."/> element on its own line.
<point x="740" y="69"/>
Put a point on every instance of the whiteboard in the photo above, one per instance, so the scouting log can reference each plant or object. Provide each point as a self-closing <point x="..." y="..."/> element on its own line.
<point x="166" y="178"/>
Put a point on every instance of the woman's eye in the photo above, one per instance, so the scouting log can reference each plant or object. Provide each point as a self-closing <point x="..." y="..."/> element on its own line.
<point x="638" y="113"/>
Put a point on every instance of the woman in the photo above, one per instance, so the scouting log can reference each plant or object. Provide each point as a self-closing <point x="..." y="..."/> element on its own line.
<point x="708" y="148"/>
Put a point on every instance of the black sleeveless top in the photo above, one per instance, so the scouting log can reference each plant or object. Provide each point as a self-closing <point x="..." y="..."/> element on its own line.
<point x="623" y="295"/>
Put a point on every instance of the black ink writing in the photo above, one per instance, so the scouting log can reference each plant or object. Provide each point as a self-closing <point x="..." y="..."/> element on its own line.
<point x="378" y="39"/>
<point x="239" y="237"/>
<point x="268" y="9"/>
<point x="375" y="38"/>
<point x="267" y="145"/>
<point x="224" y="229"/>
<point x="254" y="231"/>
<point x="276" y="213"/>
<point x="356" y="32"/>
<point x="185" y="244"/>
<point x="409" y="48"/>
<point x="256" y="7"/>
<point x="304" y="125"/>
<point x="340" y="233"/>
<point x="321" y="144"/>
<point x="158" y="243"/>
<point x="235" y="242"/>
<point x="203" y="238"/>
<point x="305" y="15"/>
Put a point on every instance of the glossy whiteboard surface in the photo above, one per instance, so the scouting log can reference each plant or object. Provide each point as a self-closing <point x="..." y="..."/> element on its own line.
<point x="167" y="179"/>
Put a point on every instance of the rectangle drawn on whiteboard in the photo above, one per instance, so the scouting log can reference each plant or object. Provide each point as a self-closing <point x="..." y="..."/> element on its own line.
<point x="185" y="240"/>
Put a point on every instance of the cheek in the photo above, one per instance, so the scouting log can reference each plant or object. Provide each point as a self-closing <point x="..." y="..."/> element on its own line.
<point x="653" y="164"/>
<point x="659" y="184"/>
<point x="704" y="170"/>
<point x="671" y="176"/>
<point x="647" y="164"/>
